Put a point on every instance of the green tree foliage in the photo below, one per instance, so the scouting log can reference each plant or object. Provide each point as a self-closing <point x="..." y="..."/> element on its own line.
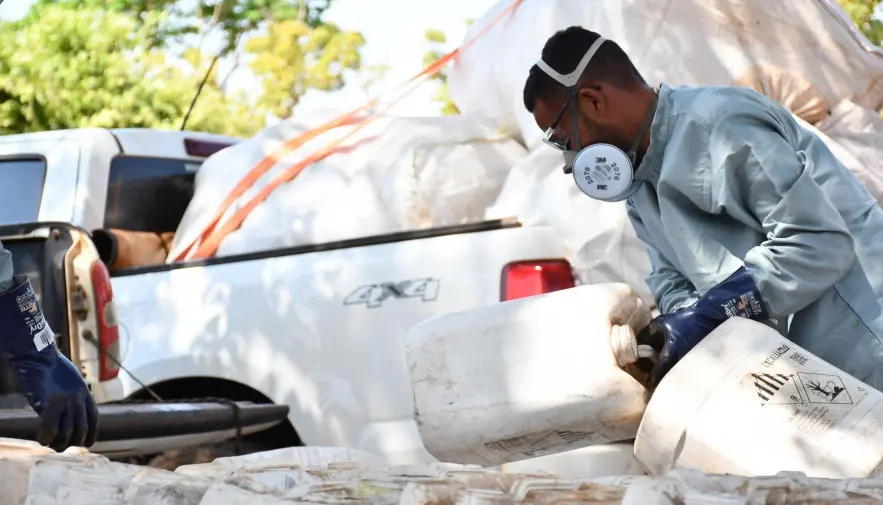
<point x="286" y="44"/>
<point x="436" y="39"/>
<point x="865" y="14"/>
<point x="292" y="49"/>
<point x="71" y="68"/>
<point x="235" y="19"/>
<point x="293" y="57"/>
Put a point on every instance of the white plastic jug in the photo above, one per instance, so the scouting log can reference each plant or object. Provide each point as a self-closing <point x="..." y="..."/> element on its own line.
<point x="528" y="377"/>
<point x="747" y="401"/>
<point x="586" y="463"/>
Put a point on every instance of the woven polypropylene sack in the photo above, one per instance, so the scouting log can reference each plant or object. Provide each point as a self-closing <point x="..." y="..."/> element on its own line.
<point x="804" y="53"/>
<point x="405" y="174"/>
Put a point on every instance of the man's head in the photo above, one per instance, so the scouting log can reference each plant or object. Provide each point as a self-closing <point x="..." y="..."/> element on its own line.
<point x="610" y="98"/>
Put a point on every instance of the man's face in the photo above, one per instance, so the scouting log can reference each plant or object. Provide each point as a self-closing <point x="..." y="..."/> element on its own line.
<point x="594" y="124"/>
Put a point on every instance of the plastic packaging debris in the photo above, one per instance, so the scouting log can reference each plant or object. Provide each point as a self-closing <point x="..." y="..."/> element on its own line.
<point x="227" y="494"/>
<point x="747" y="401"/>
<point x="529" y="377"/>
<point x="406" y="173"/>
<point x="806" y="54"/>
<point x="290" y="457"/>
<point x="107" y="483"/>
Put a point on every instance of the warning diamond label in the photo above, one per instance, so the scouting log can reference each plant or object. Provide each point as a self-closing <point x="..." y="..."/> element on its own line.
<point x="776" y="389"/>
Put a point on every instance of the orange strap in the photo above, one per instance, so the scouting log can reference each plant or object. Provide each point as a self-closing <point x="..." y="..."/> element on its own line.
<point x="210" y="238"/>
<point x="209" y="246"/>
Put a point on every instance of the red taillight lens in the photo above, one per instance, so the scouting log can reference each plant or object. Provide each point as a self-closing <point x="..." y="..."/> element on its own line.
<point x="108" y="331"/>
<point x="528" y="278"/>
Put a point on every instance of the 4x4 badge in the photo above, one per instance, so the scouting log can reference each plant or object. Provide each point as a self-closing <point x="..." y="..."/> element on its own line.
<point x="373" y="295"/>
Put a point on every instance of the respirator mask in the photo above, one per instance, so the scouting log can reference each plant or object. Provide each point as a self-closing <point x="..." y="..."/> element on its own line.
<point x="601" y="171"/>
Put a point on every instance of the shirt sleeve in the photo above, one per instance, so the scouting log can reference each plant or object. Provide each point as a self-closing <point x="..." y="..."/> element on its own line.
<point x="671" y="290"/>
<point x="808" y="246"/>
<point x="5" y="269"/>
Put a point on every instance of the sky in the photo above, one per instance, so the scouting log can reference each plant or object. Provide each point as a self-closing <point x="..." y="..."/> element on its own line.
<point x="394" y="32"/>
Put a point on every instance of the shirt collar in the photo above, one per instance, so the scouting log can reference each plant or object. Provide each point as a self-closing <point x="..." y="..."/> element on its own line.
<point x="650" y="165"/>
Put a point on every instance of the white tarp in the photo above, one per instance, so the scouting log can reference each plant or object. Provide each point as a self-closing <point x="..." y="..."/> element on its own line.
<point x="804" y="53"/>
<point x="409" y="173"/>
<point x="855" y="135"/>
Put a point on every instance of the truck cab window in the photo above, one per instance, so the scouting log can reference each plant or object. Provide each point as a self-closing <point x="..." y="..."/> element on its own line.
<point x="148" y="194"/>
<point x="21" y="189"/>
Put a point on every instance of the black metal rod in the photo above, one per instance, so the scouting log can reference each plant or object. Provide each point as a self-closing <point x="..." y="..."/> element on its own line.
<point x="198" y="90"/>
<point x="155" y="420"/>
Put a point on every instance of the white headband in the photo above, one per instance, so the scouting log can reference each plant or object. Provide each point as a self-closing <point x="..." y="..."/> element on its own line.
<point x="570" y="80"/>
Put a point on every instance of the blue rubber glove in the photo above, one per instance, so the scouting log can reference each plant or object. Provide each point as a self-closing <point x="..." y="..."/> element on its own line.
<point x="677" y="333"/>
<point x="53" y="386"/>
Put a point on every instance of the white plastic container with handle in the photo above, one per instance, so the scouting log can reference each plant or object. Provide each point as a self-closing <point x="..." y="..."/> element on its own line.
<point x="747" y="401"/>
<point x="529" y="377"/>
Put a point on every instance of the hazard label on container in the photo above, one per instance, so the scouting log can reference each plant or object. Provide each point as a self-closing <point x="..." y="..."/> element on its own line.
<point x="824" y="388"/>
<point x="776" y="389"/>
<point x="809" y="402"/>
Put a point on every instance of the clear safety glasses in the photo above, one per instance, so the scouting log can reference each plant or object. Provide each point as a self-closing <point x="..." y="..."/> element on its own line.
<point x="555" y="137"/>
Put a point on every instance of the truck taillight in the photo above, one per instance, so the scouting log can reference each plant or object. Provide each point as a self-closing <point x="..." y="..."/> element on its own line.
<point x="108" y="331"/>
<point x="528" y="278"/>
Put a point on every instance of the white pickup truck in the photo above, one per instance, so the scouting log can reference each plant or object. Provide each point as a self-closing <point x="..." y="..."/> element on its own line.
<point x="318" y="328"/>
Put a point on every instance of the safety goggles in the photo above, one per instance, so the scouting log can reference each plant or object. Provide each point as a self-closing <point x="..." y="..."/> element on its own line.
<point x="555" y="137"/>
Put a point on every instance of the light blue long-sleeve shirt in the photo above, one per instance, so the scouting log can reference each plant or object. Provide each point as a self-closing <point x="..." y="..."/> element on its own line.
<point x="730" y="179"/>
<point x="5" y="269"/>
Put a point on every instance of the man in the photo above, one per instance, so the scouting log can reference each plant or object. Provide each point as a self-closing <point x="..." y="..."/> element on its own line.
<point x="743" y="212"/>
<point x="53" y="386"/>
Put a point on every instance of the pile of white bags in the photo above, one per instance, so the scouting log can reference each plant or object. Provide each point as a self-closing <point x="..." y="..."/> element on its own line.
<point x="855" y="135"/>
<point x="806" y="54"/>
<point x="405" y="174"/>
<point x="414" y="173"/>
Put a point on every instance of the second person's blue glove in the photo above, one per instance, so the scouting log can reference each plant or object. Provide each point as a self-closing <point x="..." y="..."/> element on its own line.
<point x="51" y="383"/>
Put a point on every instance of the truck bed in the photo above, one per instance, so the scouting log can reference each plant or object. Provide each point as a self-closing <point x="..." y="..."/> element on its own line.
<point x="386" y="238"/>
